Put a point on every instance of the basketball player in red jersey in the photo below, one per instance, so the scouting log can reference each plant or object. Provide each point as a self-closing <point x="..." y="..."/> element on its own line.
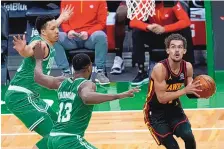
<point x="163" y="113"/>
<point x="170" y="17"/>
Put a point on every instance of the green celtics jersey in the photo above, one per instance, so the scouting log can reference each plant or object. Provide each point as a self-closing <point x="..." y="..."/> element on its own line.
<point x="24" y="76"/>
<point x="74" y="115"/>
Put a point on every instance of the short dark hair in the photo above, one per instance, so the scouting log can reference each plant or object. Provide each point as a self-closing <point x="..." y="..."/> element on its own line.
<point x="41" y="22"/>
<point x="80" y="61"/>
<point x="175" y="37"/>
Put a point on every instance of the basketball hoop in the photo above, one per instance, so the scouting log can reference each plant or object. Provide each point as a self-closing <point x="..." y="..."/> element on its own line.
<point x="140" y="9"/>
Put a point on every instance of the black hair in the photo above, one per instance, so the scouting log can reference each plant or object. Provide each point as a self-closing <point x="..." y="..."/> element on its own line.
<point x="41" y="22"/>
<point x="80" y="61"/>
<point x="175" y="37"/>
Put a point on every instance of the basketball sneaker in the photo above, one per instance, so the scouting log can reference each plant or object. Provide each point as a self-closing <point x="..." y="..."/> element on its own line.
<point x="142" y="77"/>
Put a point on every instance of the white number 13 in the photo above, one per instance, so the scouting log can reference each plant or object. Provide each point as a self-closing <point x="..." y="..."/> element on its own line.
<point x="68" y="109"/>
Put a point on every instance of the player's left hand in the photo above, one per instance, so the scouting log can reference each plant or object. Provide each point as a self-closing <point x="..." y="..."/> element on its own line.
<point x="66" y="13"/>
<point x="39" y="50"/>
<point x="83" y="35"/>
<point x="19" y="43"/>
<point x="158" y="29"/>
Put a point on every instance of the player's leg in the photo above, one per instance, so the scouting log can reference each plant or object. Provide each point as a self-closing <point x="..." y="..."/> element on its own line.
<point x="184" y="131"/>
<point x="32" y="111"/>
<point x="169" y="142"/>
<point x="182" y="127"/>
<point x="44" y="129"/>
<point x="163" y="136"/>
<point x="159" y="128"/>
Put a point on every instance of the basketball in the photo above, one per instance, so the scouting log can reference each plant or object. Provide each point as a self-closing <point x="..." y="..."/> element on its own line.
<point x="208" y="86"/>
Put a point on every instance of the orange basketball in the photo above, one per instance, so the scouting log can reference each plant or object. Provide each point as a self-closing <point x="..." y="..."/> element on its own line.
<point x="208" y="86"/>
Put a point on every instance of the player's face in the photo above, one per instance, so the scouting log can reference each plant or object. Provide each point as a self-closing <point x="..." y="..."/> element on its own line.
<point x="51" y="31"/>
<point x="176" y="50"/>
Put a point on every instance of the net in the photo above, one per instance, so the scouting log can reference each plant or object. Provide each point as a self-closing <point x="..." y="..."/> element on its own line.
<point x="140" y="9"/>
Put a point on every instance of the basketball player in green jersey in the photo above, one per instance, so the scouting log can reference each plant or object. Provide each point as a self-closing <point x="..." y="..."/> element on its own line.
<point x="22" y="97"/>
<point x="77" y="97"/>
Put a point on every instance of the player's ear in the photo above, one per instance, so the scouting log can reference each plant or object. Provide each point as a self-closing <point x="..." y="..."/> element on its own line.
<point x="90" y="68"/>
<point x="185" y="51"/>
<point x="43" y="32"/>
<point x="168" y="51"/>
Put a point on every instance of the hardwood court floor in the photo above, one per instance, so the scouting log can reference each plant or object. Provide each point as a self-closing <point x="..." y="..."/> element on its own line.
<point x="123" y="130"/>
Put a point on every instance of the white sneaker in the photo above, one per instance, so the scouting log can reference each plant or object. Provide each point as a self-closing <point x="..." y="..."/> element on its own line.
<point x="118" y="65"/>
<point x="101" y="78"/>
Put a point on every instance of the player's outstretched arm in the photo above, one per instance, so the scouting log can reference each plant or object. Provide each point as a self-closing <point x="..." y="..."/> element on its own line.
<point x="42" y="79"/>
<point x="65" y="15"/>
<point x="159" y="76"/>
<point x="87" y="92"/>
<point x="26" y="50"/>
<point x="21" y="47"/>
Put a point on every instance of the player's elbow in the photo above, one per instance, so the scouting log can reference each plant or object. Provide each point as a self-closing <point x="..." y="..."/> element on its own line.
<point x="85" y="99"/>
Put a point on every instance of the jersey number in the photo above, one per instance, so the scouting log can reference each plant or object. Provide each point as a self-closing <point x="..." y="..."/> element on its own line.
<point x="67" y="107"/>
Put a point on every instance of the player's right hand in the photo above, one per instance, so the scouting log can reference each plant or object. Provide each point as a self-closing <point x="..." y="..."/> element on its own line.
<point x="19" y="43"/>
<point x="39" y="50"/>
<point x="192" y="88"/>
<point x="67" y="12"/>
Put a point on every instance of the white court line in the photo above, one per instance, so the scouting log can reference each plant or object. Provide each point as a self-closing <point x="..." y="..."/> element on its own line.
<point x="126" y="111"/>
<point x="108" y="131"/>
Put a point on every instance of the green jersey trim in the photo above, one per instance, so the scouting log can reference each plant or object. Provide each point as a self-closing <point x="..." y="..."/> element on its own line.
<point x="81" y="141"/>
<point x="36" y="123"/>
<point x="20" y="89"/>
<point x="53" y="134"/>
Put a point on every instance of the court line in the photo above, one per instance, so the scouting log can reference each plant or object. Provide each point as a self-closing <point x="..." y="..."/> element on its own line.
<point x="108" y="131"/>
<point x="125" y="111"/>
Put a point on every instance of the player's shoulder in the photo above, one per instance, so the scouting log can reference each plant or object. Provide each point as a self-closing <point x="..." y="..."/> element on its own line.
<point x="87" y="84"/>
<point x="159" y="67"/>
<point x="188" y="65"/>
<point x="159" y="71"/>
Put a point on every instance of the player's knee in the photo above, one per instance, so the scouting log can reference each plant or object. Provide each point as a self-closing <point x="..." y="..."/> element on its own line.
<point x="187" y="135"/>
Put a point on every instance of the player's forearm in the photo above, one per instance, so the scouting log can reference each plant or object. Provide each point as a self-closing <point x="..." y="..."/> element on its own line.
<point x="45" y="80"/>
<point x="96" y="98"/>
<point x="59" y="20"/>
<point x="169" y="96"/>
<point x="27" y="52"/>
